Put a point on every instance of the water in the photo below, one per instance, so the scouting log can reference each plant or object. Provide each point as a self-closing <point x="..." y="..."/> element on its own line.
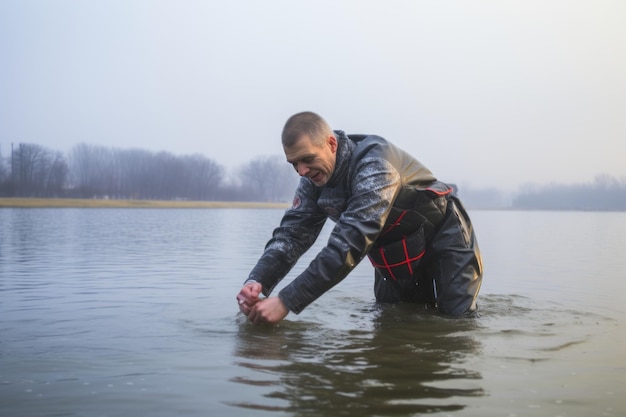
<point x="124" y="312"/>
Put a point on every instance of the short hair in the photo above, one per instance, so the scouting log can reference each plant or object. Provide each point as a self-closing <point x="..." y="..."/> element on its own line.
<point x="305" y="123"/>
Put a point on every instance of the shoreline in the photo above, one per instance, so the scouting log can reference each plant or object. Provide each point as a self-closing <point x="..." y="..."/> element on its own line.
<point x="28" y="202"/>
<point x="20" y="202"/>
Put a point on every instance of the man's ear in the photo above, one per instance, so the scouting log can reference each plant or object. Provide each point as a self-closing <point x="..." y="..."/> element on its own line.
<point x="332" y="142"/>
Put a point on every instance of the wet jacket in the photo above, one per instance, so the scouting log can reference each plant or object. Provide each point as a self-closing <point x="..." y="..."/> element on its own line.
<point x="372" y="196"/>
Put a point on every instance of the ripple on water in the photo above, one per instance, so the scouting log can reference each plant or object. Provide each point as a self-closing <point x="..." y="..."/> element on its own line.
<point x="518" y="328"/>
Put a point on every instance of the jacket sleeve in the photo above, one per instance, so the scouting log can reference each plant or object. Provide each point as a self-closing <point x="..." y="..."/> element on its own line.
<point x="298" y="230"/>
<point x="374" y="184"/>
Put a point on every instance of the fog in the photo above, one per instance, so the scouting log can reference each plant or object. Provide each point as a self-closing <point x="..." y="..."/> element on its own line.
<point x="485" y="93"/>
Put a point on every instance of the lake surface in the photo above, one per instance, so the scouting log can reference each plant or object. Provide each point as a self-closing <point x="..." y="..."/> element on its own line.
<point x="132" y="312"/>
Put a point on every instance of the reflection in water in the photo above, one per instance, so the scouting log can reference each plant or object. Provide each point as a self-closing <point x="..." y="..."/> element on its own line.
<point x="405" y="362"/>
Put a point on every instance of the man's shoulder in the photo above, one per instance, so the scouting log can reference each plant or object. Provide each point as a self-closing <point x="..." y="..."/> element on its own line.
<point x="370" y="145"/>
<point x="360" y="137"/>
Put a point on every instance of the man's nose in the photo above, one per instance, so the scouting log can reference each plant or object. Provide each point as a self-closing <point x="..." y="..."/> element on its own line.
<point x="303" y="170"/>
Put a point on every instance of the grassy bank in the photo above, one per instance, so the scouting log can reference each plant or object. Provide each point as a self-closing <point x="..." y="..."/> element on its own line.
<point x="95" y="203"/>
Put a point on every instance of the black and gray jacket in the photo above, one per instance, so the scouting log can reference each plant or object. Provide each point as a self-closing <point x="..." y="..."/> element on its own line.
<point x="374" y="197"/>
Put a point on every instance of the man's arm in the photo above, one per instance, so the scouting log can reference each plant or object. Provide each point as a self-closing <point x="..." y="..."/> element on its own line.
<point x="299" y="228"/>
<point x="373" y="188"/>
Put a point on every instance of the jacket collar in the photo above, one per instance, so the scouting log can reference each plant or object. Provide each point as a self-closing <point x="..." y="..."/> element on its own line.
<point x="345" y="147"/>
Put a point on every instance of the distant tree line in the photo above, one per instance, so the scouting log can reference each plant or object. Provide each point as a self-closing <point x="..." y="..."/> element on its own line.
<point x="604" y="193"/>
<point x="90" y="171"/>
<point x="99" y="172"/>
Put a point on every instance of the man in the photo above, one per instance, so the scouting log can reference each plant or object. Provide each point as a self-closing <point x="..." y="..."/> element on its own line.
<point x="386" y="205"/>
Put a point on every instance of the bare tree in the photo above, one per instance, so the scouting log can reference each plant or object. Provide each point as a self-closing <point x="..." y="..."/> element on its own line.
<point x="5" y="183"/>
<point x="3" y="169"/>
<point x="203" y="177"/>
<point x="38" y="172"/>
<point x="268" y="178"/>
<point x="90" y="168"/>
<point x="56" y="177"/>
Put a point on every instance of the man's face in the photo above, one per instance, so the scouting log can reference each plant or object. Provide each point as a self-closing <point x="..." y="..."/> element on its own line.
<point x="316" y="162"/>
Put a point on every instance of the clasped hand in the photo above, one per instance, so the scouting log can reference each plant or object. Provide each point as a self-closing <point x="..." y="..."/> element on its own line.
<point x="269" y="310"/>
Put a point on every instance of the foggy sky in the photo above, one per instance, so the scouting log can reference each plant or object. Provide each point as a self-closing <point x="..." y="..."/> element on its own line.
<point x="484" y="93"/>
